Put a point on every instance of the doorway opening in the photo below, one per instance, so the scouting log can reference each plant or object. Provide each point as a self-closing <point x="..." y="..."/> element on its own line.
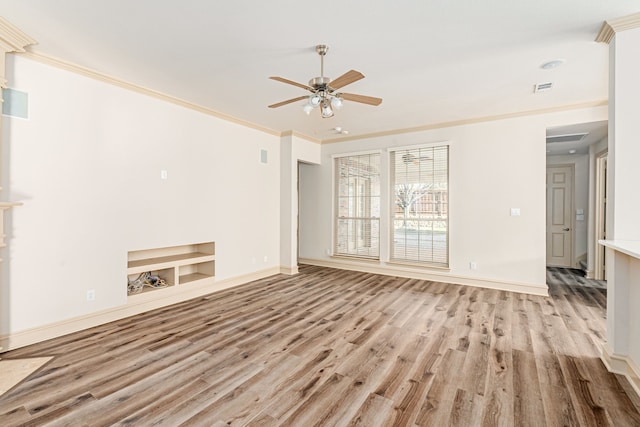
<point x="576" y="196"/>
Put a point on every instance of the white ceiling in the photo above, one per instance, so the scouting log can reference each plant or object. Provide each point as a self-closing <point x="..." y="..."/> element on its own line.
<point x="430" y="61"/>
<point x="594" y="132"/>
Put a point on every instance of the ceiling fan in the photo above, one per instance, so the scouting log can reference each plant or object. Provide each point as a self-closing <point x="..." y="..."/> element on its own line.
<point x="412" y="158"/>
<point x="323" y="90"/>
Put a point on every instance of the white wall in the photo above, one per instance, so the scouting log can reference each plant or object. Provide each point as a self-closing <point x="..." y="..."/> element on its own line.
<point x="87" y="166"/>
<point x="624" y="130"/>
<point x="581" y="201"/>
<point x="494" y="166"/>
<point x="623" y="207"/>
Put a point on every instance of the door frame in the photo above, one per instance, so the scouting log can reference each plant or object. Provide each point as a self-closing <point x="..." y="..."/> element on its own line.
<point x="600" y="223"/>
<point x="572" y="235"/>
<point x="298" y="212"/>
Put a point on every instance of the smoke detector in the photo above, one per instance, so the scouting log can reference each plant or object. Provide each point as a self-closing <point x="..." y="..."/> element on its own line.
<point x="552" y="64"/>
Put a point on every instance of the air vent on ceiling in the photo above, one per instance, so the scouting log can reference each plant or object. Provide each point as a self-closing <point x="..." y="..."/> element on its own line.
<point x="570" y="137"/>
<point x="542" y="87"/>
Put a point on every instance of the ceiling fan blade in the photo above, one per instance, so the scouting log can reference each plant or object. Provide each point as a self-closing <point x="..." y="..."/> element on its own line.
<point x="361" y="98"/>
<point x="288" y="101"/>
<point x="291" y="82"/>
<point x="346" y="79"/>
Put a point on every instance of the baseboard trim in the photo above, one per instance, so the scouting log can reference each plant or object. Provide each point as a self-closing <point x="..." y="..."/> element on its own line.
<point x="291" y="271"/>
<point x="434" y="275"/>
<point x="622" y="365"/>
<point x="136" y="304"/>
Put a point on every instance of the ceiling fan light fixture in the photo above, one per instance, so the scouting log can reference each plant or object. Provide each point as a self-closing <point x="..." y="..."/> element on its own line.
<point x="336" y="102"/>
<point x="326" y="110"/>
<point x="307" y="108"/>
<point x="315" y="100"/>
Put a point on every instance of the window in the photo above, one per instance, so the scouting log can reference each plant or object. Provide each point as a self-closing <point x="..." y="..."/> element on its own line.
<point x="357" y="222"/>
<point x="420" y="208"/>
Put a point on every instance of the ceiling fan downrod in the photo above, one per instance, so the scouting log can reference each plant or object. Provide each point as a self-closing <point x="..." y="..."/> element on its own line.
<point x="320" y="83"/>
<point x="322" y="50"/>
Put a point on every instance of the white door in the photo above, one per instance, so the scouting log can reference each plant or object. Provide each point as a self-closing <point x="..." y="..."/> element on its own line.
<point x="559" y="216"/>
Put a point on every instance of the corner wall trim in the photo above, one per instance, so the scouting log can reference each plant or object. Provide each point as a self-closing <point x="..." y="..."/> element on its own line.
<point x="291" y="271"/>
<point x="12" y="39"/>
<point x="622" y="365"/>
<point x="300" y="135"/>
<point x="612" y="26"/>
<point x="137" y="304"/>
<point x="387" y="270"/>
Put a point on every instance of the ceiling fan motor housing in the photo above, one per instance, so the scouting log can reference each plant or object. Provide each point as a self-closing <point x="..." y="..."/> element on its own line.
<point x="319" y="82"/>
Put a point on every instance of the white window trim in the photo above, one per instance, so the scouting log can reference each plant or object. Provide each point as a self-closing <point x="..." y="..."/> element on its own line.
<point x="334" y="225"/>
<point x="391" y="200"/>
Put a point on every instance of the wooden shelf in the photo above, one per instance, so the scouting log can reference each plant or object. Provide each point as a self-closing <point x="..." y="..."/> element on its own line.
<point x="188" y="278"/>
<point x="157" y="263"/>
<point x="176" y="265"/>
<point x="147" y="289"/>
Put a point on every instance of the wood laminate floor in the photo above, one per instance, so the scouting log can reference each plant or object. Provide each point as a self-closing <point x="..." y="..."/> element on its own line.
<point x="330" y="347"/>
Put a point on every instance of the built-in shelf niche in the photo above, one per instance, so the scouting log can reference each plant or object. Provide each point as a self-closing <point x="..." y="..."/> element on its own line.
<point x="177" y="265"/>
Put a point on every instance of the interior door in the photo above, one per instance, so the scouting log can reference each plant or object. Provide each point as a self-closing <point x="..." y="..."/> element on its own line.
<point x="559" y="216"/>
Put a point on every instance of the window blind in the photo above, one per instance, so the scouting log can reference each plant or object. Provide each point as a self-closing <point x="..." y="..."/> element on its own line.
<point x="420" y="205"/>
<point x="357" y="216"/>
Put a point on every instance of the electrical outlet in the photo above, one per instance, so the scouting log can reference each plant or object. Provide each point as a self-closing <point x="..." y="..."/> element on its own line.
<point x="265" y="258"/>
<point x="91" y="295"/>
<point x="473" y="265"/>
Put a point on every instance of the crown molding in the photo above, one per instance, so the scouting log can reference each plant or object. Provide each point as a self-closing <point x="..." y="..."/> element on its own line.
<point x="11" y="40"/>
<point x="59" y="63"/>
<point x="301" y="136"/>
<point x="87" y="72"/>
<point x="612" y="26"/>
<point x="441" y="125"/>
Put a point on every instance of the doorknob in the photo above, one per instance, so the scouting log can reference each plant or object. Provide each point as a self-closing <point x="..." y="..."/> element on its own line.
<point x="565" y="229"/>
